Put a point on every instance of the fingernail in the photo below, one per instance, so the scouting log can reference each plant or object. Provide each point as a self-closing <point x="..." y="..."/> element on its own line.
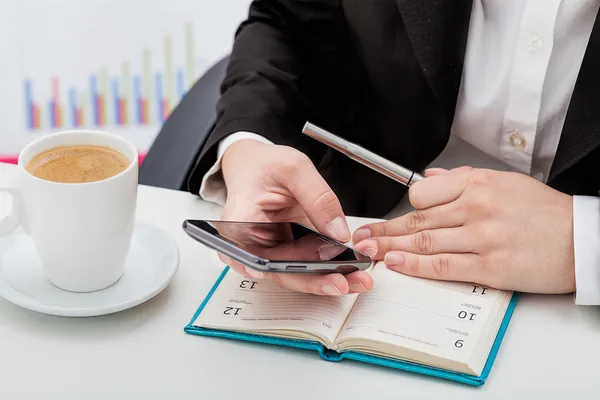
<point x="369" y="248"/>
<point x="326" y="253"/>
<point x="393" y="258"/>
<point x="331" y="290"/>
<point x="357" y="287"/>
<point x="254" y="273"/>
<point x="371" y="252"/>
<point x="339" y="229"/>
<point x="433" y="171"/>
<point x="362" y="234"/>
<point x="437" y="169"/>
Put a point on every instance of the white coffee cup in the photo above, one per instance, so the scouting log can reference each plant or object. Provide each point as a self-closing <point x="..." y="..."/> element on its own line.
<point x="82" y="231"/>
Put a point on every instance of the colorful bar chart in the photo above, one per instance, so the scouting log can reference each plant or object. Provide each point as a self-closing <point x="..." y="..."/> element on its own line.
<point x="116" y="98"/>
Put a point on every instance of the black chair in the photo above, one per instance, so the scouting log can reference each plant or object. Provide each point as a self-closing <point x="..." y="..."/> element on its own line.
<point x="175" y="149"/>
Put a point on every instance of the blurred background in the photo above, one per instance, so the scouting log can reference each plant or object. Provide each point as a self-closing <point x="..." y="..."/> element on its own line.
<point x="114" y="65"/>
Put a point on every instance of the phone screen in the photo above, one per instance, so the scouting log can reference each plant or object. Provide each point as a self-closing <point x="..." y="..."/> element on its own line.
<point x="281" y="242"/>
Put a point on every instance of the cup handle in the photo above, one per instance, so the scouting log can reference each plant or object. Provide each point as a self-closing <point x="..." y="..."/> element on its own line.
<point x="11" y="221"/>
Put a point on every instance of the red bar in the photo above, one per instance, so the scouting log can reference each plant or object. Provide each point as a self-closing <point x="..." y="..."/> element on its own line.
<point x="144" y="111"/>
<point x="165" y="108"/>
<point x="36" y="116"/>
<point x="101" y="110"/>
<point x="122" y="112"/>
<point x="78" y="117"/>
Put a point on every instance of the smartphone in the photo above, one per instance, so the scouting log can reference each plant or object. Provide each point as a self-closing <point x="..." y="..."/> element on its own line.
<point x="277" y="246"/>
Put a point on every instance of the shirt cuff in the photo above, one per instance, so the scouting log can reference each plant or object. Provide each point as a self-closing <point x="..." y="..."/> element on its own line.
<point x="213" y="187"/>
<point x="586" y="233"/>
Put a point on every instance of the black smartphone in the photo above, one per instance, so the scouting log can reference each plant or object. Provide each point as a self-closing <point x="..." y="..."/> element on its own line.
<point x="277" y="246"/>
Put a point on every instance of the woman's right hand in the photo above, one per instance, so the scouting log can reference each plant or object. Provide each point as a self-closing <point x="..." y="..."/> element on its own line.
<point x="272" y="183"/>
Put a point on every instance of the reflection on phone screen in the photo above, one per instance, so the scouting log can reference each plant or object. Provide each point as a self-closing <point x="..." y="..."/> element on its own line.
<point x="280" y="242"/>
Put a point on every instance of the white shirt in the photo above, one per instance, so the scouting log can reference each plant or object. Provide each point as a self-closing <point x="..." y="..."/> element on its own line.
<point x="521" y="64"/>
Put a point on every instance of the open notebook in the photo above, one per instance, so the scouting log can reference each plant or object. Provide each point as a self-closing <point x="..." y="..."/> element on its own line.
<point x="446" y="329"/>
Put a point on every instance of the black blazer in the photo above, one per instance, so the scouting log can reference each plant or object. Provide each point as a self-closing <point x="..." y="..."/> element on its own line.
<point x="382" y="73"/>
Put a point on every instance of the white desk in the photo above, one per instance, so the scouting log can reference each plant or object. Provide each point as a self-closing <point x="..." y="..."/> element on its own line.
<point x="551" y="349"/>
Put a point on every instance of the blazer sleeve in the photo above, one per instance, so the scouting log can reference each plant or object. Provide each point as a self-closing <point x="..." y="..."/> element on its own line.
<point x="289" y="64"/>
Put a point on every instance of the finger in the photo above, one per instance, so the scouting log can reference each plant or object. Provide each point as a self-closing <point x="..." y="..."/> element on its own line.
<point x="438" y="189"/>
<point x="435" y="241"/>
<point x="236" y="266"/>
<point x="307" y="248"/>
<point x="359" y="282"/>
<point x="464" y="168"/>
<point x="318" y="200"/>
<point x="328" y="284"/>
<point x="271" y="233"/>
<point x="439" y="171"/>
<point x="435" y="171"/>
<point x="238" y="208"/>
<point x="444" y="216"/>
<point x="446" y="267"/>
<point x="238" y="232"/>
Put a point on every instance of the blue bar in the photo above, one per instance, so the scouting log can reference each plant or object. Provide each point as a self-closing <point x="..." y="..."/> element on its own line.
<point x="159" y="96"/>
<point x="137" y="95"/>
<point x="51" y="118"/>
<point x="94" y="99"/>
<point x="115" y="88"/>
<point x="73" y="106"/>
<point x="28" y="104"/>
<point x="180" y="89"/>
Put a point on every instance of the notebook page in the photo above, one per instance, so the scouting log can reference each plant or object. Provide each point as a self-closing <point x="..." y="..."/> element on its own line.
<point x="244" y="304"/>
<point x="443" y="319"/>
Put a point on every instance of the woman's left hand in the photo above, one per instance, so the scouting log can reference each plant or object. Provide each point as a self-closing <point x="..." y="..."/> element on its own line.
<point x="498" y="229"/>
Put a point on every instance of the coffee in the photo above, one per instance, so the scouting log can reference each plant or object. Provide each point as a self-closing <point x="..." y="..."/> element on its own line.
<point x="77" y="164"/>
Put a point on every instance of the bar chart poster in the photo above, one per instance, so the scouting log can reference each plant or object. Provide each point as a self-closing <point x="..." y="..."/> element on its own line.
<point x="116" y="98"/>
<point x="117" y="66"/>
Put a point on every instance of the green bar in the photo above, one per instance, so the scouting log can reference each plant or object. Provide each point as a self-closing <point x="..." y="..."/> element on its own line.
<point x="189" y="54"/>
<point x="126" y="85"/>
<point x="169" y="75"/>
<point x="147" y="83"/>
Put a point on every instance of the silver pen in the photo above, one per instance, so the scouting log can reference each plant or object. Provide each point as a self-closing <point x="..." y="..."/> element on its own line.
<point x="362" y="155"/>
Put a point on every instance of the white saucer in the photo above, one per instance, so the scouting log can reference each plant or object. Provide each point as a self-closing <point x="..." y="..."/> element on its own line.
<point x="152" y="262"/>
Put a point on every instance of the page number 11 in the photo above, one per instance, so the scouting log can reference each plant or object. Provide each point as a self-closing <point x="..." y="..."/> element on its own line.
<point x="479" y="290"/>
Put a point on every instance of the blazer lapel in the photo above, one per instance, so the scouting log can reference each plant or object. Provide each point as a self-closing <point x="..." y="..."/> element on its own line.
<point x="581" y="132"/>
<point x="438" y="32"/>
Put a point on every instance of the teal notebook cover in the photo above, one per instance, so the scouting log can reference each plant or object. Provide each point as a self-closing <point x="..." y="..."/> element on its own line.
<point x="330" y="355"/>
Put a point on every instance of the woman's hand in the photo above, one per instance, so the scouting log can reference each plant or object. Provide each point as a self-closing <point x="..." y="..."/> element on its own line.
<point x="498" y="229"/>
<point x="271" y="183"/>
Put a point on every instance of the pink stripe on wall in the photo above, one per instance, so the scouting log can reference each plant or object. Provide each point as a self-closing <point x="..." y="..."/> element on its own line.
<point x="12" y="159"/>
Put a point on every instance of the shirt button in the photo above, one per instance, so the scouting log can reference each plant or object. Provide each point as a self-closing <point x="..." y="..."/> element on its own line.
<point x="517" y="141"/>
<point x="534" y="44"/>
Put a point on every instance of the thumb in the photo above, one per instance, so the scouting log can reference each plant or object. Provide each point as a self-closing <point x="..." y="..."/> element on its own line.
<point x="318" y="200"/>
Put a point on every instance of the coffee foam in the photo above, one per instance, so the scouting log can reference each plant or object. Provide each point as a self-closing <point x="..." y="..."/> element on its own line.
<point x="77" y="164"/>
